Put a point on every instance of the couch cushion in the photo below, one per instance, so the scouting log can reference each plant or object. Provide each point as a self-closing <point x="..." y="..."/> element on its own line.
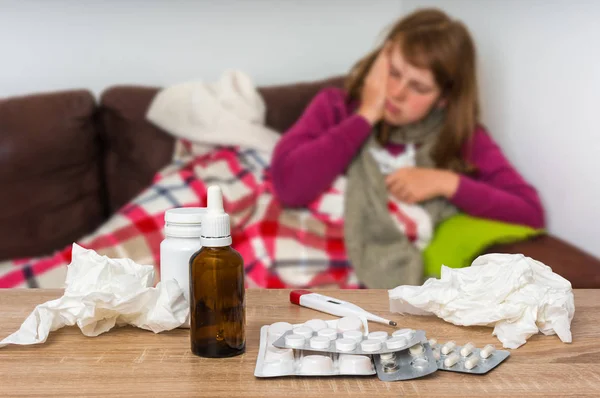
<point x="136" y="149"/>
<point x="49" y="172"/>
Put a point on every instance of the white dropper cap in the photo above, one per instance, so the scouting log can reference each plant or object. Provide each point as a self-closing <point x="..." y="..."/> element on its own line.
<point x="216" y="231"/>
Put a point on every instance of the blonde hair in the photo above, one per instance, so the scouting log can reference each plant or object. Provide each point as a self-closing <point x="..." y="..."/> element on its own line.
<point x="429" y="38"/>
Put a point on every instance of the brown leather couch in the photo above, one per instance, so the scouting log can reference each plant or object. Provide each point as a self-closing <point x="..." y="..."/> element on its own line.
<point x="67" y="163"/>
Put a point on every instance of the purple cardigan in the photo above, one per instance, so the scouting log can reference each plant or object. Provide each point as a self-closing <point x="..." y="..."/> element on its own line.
<point x="323" y="142"/>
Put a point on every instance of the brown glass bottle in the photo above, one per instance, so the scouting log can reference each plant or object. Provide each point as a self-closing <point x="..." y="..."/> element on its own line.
<point x="217" y="303"/>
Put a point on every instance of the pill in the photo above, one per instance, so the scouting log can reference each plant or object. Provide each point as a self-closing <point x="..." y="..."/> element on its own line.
<point x="436" y="355"/>
<point x="330" y="333"/>
<point x="351" y="322"/>
<point x="432" y="342"/>
<point x="487" y="351"/>
<point x="320" y="342"/>
<point x="354" y="335"/>
<point x="294" y="340"/>
<point x="448" y="347"/>
<point x="278" y="329"/>
<point x="370" y="345"/>
<point x="345" y="345"/>
<point x="420" y="362"/>
<point x="416" y="350"/>
<point x="387" y="356"/>
<point x="304" y="331"/>
<point x="316" y="324"/>
<point x="396" y="342"/>
<point x="406" y="333"/>
<point x="467" y="349"/>
<point x="451" y="360"/>
<point x="390" y="367"/>
<point x="380" y="336"/>
<point x="471" y="362"/>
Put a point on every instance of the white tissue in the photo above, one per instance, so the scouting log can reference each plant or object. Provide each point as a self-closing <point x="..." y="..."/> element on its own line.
<point x="517" y="295"/>
<point x="102" y="293"/>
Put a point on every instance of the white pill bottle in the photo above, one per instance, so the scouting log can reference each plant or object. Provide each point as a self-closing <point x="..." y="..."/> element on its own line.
<point x="183" y="227"/>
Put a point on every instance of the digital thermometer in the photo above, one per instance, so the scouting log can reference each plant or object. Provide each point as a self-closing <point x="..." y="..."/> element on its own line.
<point x="330" y="305"/>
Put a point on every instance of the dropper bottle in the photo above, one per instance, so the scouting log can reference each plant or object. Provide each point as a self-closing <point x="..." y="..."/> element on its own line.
<point x="217" y="291"/>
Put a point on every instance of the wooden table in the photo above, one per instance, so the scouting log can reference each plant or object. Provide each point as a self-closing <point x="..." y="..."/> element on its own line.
<point x="134" y="362"/>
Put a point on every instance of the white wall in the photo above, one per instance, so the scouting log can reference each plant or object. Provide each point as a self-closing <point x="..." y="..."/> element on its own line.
<point x="540" y="78"/>
<point x="59" y="44"/>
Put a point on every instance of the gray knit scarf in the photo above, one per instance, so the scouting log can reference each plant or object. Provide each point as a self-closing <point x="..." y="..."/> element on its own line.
<point x="382" y="256"/>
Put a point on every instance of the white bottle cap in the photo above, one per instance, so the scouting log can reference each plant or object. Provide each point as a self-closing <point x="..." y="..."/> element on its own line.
<point x="184" y="222"/>
<point x="216" y="230"/>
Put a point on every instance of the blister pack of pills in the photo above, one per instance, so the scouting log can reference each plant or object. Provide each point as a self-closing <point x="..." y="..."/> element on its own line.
<point x="273" y="361"/>
<point x="350" y="341"/>
<point x="417" y="361"/>
<point x="467" y="358"/>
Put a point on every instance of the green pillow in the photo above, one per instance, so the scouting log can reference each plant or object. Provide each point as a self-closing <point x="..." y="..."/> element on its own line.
<point x="458" y="240"/>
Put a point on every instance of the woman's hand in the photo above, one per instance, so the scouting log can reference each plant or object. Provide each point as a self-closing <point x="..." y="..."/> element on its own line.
<point x="374" y="87"/>
<point x="416" y="184"/>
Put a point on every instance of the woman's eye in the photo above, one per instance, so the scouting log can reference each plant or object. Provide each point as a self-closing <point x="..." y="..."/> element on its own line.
<point x="421" y="89"/>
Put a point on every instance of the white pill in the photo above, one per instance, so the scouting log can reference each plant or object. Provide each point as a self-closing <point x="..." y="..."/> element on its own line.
<point x="406" y="333"/>
<point x="354" y="335"/>
<point x="487" y="351"/>
<point x="420" y="362"/>
<point x="349" y="323"/>
<point x="432" y="342"/>
<point x="448" y="347"/>
<point x="345" y="345"/>
<point x="471" y="362"/>
<point x="316" y="324"/>
<point x="279" y="354"/>
<point x="330" y="333"/>
<point x="370" y="345"/>
<point x="304" y="331"/>
<point x="436" y="354"/>
<point x="320" y="342"/>
<point x="416" y="350"/>
<point x="294" y="340"/>
<point x="379" y="336"/>
<point x="451" y="360"/>
<point x="278" y="329"/>
<point x="387" y="356"/>
<point x="396" y="343"/>
<point x="467" y="349"/>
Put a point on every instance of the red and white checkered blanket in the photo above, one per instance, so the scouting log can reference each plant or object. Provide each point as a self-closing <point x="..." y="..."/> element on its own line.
<point x="281" y="247"/>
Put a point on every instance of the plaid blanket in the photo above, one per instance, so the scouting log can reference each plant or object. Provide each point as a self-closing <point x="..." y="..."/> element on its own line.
<point x="281" y="247"/>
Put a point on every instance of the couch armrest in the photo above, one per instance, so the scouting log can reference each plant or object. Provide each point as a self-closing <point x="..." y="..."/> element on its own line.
<point x="577" y="266"/>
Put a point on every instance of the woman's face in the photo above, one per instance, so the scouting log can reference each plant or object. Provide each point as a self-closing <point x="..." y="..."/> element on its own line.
<point x="411" y="92"/>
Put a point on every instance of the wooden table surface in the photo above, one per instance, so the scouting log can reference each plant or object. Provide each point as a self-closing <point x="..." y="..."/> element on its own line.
<point x="134" y="362"/>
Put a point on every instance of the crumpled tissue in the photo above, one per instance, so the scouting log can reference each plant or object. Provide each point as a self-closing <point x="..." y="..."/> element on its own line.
<point x="102" y="293"/>
<point x="517" y="295"/>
